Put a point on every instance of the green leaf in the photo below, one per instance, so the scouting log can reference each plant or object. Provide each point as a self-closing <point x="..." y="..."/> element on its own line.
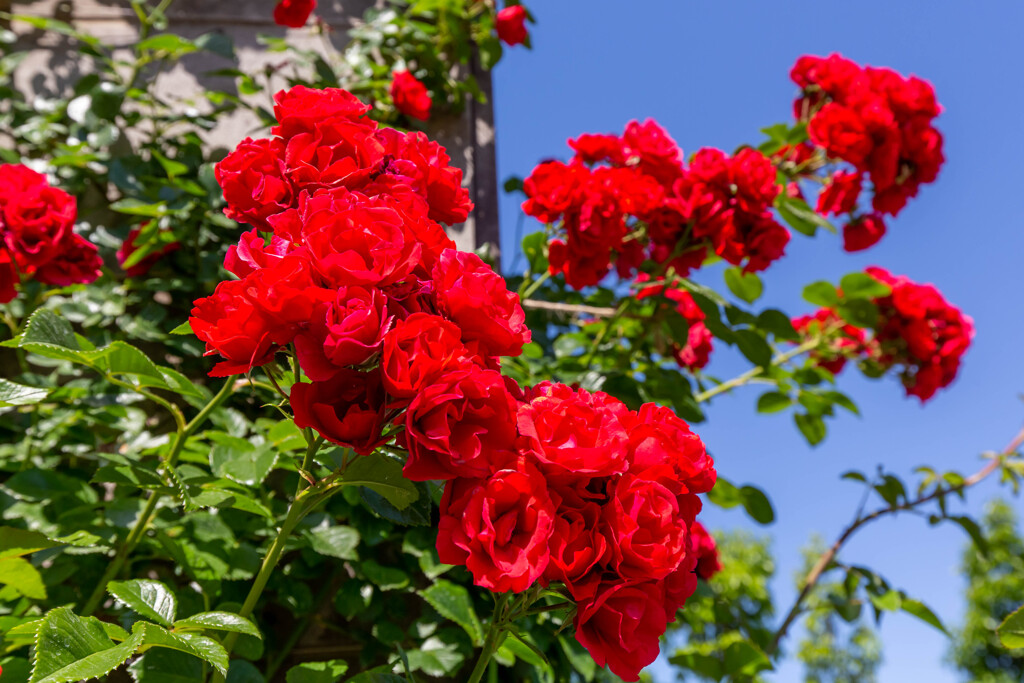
<point x="161" y="665"/>
<point x="150" y="599"/>
<point x="184" y="328"/>
<point x="453" y="602"/>
<point x="757" y="505"/>
<point x="752" y="345"/>
<point x="890" y="600"/>
<point x="743" y="658"/>
<point x="724" y="494"/>
<point x="17" y="542"/>
<point x="534" y="246"/>
<point x="194" y="644"/>
<point x="973" y="530"/>
<point x="242" y="671"/>
<point x="799" y="216"/>
<point x="778" y="323"/>
<point x="922" y="612"/>
<point x="218" y="621"/>
<point x="317" y="672"/>
<point x="415" y="514"/>
<point x="859" y="312"/>
<point x="382" y="474"/>
<point x="167" y="42"/>
<point x="863" y="286"/>
<point x="811" y="426"/>
<point x="334" y="541"/>
<point x="773" y="402"/>
<point x="70" y="648"/>
<point x="386" y="578"/>
<point x="12" y="394"/>
<point x="240" y="460"/>
<point x="821" y="293"/>
<point x="1011" y="631"/>
<point x="746" y="286"/>
<point x="19" y="574"/>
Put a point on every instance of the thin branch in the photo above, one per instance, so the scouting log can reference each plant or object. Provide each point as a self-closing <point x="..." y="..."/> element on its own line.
<point x="829" y="555"/>
<point x="599" y="311"/>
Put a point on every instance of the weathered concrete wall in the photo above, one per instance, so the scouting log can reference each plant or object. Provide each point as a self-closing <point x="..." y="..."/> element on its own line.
<point x="54" y="62"/>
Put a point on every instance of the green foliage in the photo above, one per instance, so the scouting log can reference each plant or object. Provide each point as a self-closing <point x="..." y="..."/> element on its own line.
<point x="995" y="591"/>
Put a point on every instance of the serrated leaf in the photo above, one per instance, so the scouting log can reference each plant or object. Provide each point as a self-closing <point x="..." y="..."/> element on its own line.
<point x="240" y="460"/>
<point x="19" y="574"/>
<point x="194" y="644"/>
<point x="453" y="602"/>
<point x="150" y="599"/>
<point x="219" y="621"/>
<point x="1011" y="631"/>
<point x="383" y="475"/>
<point x="70" y="648"/>
<point x="13" y="394"/>
<point x="317" y="672"/>
<point x="386" y="578"/>
<point x="334" y="541"/>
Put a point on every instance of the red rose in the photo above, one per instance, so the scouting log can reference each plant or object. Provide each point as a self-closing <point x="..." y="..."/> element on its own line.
<point x="347" y="332"/>
<point x="653" y="151"/>
<point x="462" y="425"/>
<point x="574" y="432"/>
<point x="287" y="293"/>
<point x="254" y="181"/>
<point x="498" y="527"/>
<point x="703" y="545"/>
<point x="576" y="545"/>
<point x="9" y="277"/>
<point x="511" y="25"/>
<point x="36" y="219"/>
<point x="425" y="166"/>
<point x="621" y="626"/>
<point x="347" y="410"/>
<point x="417" y="351"/>
<point x="659" y="437"/>
<point x="301" y="109"/>
<point x="474" y="297"/>
<point x="293" y="13"/>
<point x="840" y="131"/>
<point x="645" y="528"/>
<point x="553" y="188"/>
<point x="254" y="252"/>
<point x="840" y="195"/>
<point x="231" y="325"/>
<point x="754" y="176"/>
<point x="411" y="97"/>
<point x="863" y="232"/>
<point x="592" y="149"/>
<point x="766" y="242"/>
<point x="129" y="247"/>
<point x="355" y="241"/>
<point x="77" y="261"/>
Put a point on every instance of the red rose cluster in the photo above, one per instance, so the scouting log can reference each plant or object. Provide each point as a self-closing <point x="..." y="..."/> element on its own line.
<point x="37" y="237"/>
<point x="879" y="123"/>
<point x="917" y="330"/>
<point x="630" y="198"/>
<point x="694" y="354"/>
<point x="345" y="246"/>
<point x="584" y="492"/>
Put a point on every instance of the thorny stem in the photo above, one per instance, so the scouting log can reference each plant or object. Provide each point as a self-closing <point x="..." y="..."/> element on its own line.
<point x="826" y="560"/>
<point x="143" y="520"/>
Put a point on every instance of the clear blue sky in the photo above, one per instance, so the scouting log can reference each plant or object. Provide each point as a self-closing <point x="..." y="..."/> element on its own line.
<point x="713" y="73"/>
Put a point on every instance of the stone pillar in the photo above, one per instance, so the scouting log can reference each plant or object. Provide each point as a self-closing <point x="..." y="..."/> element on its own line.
<point x="54" y="62"/>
